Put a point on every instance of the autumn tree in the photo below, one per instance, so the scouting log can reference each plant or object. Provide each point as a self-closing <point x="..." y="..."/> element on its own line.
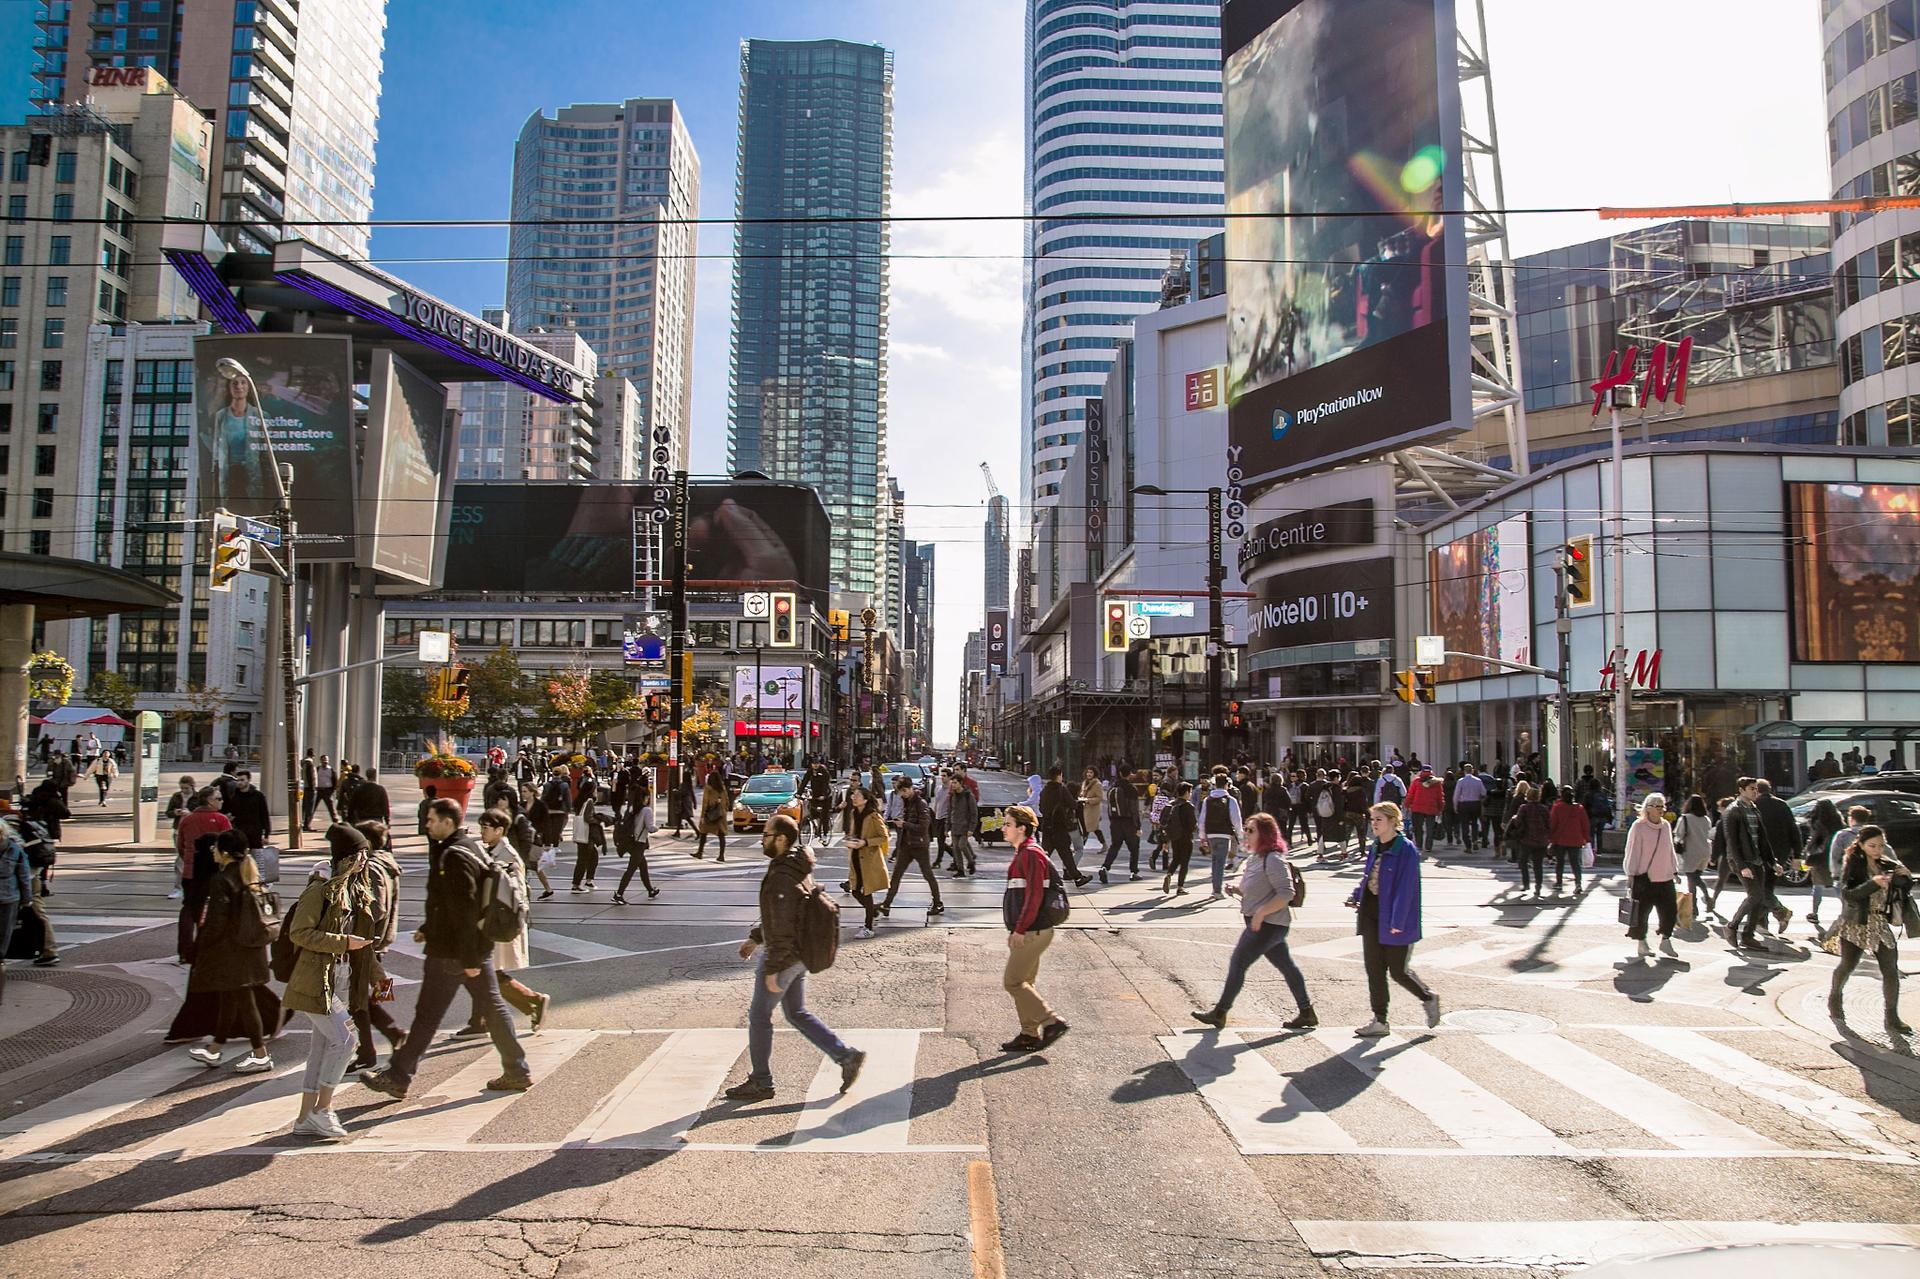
<point x="114" y="691"/>
<point x="503" y="700"/>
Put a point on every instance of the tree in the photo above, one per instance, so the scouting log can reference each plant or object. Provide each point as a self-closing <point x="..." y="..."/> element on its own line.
<point x="206" y="705"/>
<point x="587" y="701"/>
<point x="403" y="700"/>
<point x="503" y="701"/>
<point x="703" y="726"/>
<point x="114" y="691"/>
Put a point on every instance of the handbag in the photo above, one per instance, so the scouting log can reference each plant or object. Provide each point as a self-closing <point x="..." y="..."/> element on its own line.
<point x="549" y="857"/>
<point x="1586" y="856"/>
<point x="577" y="829"/>
<point x="1683" y="910"/>
<point x="1628" y="906"/>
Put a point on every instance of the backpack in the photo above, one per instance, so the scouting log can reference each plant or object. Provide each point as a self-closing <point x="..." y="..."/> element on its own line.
<point x="258" y="923"/>
<point x="1299" y="886"/>
<point x="503" y="900"/>
<point x="285" y="952"/>
<point x="40" y="848"/>
<point x="1324" y="805"/>
<point x="1218" y="808"/>
<point x="1054" y="907"/>
<point x="819" y="930"/>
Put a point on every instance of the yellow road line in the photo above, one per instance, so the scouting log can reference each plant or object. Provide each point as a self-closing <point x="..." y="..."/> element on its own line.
<point x="984" y="1207"/>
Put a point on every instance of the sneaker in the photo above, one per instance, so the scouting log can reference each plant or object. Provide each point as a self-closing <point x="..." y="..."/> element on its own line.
<point x="253" y="1064"/>
<point x="652" y="893"/>
<point x="1052" y="1031"/>
<point x="938" y="908"/>
<point x="578" y="888"/>
<point x="510" y="1082"/>
<point x="1305" y="1019"/>
<point x="1103" y="875"/>
<point x="540" y="1003"/>
<point x="1782" y="917"/>
<point x="589" y="885"/>
<point x="749" y="1091"/>
<point x="205" y="1055"/>
<point x="1211" y="1017"/>
<point x="863" y="932"/>
<point x="336" y="1129"/>
<point x="619" y="900"/>
<point x="1666" y="948"/>
<point x="1023" y="1043"/>
<point x="543" y="896"/>
<point x="315" y="1126"/>
<point x="1135" y="876"/>
<point x="1432" y="1003"/>
<point x="1641" y="949"/>
<point x="397" y="1040"/>
<point x="470" y="1032"/>
<point x="175" y="895"/>
<point x="1375" y="1029"/>
<point x="359" y="1064"/>
<point x="1081" y="881"/>
<point x="383" y="1082"/>
<point x="46" y="961"/>
<point x="850" y="1069"/>
<point x="1166" y="886"/>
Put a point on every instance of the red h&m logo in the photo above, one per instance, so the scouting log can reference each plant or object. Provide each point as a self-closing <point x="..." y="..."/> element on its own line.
<point x="1659" y="383"/>
<point x="1645" y="672"/>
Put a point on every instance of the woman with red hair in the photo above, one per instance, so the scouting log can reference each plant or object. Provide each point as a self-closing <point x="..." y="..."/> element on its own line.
<point x="1266" y="891"/>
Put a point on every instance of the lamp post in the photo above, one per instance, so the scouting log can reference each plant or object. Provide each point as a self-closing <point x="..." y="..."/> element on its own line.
<point x="233" y="370"/>
<point x="1216" y="623"/>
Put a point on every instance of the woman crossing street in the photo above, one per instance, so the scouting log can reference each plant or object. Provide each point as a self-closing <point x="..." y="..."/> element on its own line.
<point x="1388" y="901"/>
<point x="1267" y="891"/>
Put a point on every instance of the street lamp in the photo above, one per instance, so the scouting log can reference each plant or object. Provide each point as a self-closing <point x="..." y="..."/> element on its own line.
<point x="234" y="371"/>
<point x="1216" y="623"/>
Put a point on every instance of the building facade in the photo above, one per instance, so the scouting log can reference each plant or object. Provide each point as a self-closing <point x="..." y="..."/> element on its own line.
<point x="294" y="89"/>
<point x="1123" y="114"/>
<point x="807" y="393"/>
<point x="620" y="184"/>
<point x="916" y="621"/>
<point x="999" y="534"/>
<point x="1872" y="66"/>
<point x="509" y="433"/>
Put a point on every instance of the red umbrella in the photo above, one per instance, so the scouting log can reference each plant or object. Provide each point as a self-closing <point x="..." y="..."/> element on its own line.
<point x="35" y="719"/>
<point x="107" y="719"/>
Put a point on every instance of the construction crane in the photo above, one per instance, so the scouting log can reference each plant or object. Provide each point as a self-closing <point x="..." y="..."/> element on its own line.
<point x="993" y="490"/>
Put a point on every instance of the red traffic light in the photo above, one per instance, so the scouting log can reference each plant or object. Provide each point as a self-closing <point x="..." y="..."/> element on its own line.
<point x="781" y="604"/>
<point x="1574" y="552"/>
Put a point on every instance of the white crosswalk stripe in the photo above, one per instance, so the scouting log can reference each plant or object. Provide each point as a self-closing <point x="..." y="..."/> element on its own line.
<point x="658" y="1105"/>
<point x="1521" y="1245"/>
<point x="1267" y="1112"/>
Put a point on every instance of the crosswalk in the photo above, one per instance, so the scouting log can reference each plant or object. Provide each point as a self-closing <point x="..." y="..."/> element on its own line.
<point x="662" y="1103"/>
<point x="1626" y="1091"/>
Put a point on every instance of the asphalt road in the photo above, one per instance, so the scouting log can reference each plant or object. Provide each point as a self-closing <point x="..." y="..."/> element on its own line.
<point x="1574" y="1103"/>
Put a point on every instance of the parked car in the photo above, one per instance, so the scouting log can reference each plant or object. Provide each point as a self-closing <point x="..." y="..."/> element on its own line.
<point x="915" y="773"/>
<point x="996" y="794"/>
<point x="991" y="761"/>
<point x="763" y="796"/>
<point x="1902" y="780"/>
<point x="1897" y="812"/>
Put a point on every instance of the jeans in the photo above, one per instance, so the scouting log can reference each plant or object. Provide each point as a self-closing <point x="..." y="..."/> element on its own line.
<point x="438" y="985"/>
<point x="332" y="1045"/>
<point x="1468" y="815"/>
<point x="586" y="860"/>
<point x="1652" y="895"/>
<point x="965" y="860"/>
<point x="1179" y="854"/>
<point x="1383" y="960"/>
<point x="1562" y="855"/>
<point x="1221" y="847"/>
<point x="700" y="848"/>
<point x="1423" y="824"/>
<point x="636" y="861"/>
<point x="1131" y="840"/>
<point x="1269" y="942"/>
<point x="1697" y="885"/>
<point x="1753" y="910"/>
<point x="902" y="859"/>
<point x="793" y="1002"/>
<point x="1888" y="959"/>
<point x="1023" y="969"/>
<point x="365" y="1021"/>
<point x="1062" y="845"/>
<point x="9" y="911"/>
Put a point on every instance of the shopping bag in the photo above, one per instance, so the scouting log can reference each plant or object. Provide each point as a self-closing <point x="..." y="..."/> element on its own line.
<point x="577" y="829"/>
<point x="267" y="861"/>
<point x="1586" y="856"/>
<point x="1683" y="909"/>
<point x="1626" y="909"/>
<point x="549" y="857"/>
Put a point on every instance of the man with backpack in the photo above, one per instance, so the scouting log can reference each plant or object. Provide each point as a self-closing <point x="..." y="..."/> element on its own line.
<point x="914" y="839"/>
<point x="1220" y="823"/>
<point x="800" y="929"/>
<point x="463" y="885"/>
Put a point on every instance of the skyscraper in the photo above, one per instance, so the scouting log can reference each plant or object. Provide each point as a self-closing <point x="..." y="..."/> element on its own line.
<point x="1123" y="116"/>
<point x="625" y="283"/>
<point x="295" y="88"/>
<point x="809" y="376"/>
<point x="999" y="541"/>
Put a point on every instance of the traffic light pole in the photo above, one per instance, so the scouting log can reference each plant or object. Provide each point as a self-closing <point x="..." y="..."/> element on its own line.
<point x="1216" y="631"/>
<point x="289" y="691"/>
<point x="1563" y="700"/>
<point x="676" y="642"/>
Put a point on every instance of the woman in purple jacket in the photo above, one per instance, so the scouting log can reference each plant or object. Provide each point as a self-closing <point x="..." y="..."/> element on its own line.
<point x="1388" y="900"/>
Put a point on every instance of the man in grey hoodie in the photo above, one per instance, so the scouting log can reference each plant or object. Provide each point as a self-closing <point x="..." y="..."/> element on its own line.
<point x="1220" y="822"/>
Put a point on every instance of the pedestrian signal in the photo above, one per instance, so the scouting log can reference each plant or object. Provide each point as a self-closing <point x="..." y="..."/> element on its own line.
<point x="1578" y="562"/>
<point x="1116" y="631"/>
<point x="1423" y="686"/>
<point x="1233" y="715"/>
<point x="457" y="677"/>
<point x="232" y="552"/>
<point x="784" y="631"/>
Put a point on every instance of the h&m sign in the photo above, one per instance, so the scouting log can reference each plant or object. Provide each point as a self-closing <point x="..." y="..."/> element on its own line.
<point x="1662" y="378"/>
<point x="1645" y="672"/>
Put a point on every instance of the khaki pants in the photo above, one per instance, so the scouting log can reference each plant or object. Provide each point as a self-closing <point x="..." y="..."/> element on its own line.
<point x="1023" y="965"/>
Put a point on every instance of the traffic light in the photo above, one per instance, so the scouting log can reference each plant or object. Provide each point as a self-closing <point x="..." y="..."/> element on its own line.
<point x="686" y="679"/>
<point x="837" y="622"/>
<point x="1423" y="685"/>
<point x="1577" y="558"/>
<point x="1233" y="715"/>
<point x="457" y="677"/>
<point x="784" y="631"/>
<point x="656" y="708"/>
<point x="1116" y="632"/>
<point x="232" y="552"/>
<point x="1403" y="686"/>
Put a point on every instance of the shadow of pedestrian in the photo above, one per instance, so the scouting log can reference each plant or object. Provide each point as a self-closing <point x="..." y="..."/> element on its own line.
<point x="559" y="1173"/>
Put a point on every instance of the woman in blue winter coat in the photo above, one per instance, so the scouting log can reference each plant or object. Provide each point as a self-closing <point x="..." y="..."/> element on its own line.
<point x="1388" y="900"/>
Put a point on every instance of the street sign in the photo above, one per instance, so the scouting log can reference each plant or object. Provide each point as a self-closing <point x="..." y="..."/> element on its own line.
<point x="436" y="646"/>
<point x="260" y="531"/>
<point x="1429" y="650"/>
<point x="755" y="605"/>
<point x="1139" y="627"/>
<point x="1162" y="608"/>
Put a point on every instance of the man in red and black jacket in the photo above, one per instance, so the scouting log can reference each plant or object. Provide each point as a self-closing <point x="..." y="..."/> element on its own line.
<point x="1027" y="877"/>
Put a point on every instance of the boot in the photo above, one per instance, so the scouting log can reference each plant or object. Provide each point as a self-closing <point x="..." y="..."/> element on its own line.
<point x="1836" y="1009"/>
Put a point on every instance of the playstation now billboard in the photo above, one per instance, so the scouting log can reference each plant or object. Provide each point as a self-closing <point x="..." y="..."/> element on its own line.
<point x="1346" y="285"/>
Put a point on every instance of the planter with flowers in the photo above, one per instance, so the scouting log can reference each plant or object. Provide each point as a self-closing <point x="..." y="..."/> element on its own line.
<point x="444" y="774"/>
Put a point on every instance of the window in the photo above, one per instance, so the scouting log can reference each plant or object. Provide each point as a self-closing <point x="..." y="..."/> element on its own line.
<point x="403" y="632"/>
<point x="50" y="375"/>
<point x="64" y="166"/>
<point x="712" y="634"/>
<point x="40" y="543"/>
<point x="246" y="635"/>
<point x="9" y="333"/>
<point x="549" y="633"/>
<point x="56" y="290"/>
<point x="43" y="504"/>
<point x="49" y="419"/>
<point x="6" y="376"/>
<point x="10" y="291"/>
<point x="45" y="458"/>
<point x="59" y="250"/>
<point x="16" y="248"/>
<point x="54" y="333"/>
<point x="240" y="675"/>
<point x="482" y="632"/>
<point x="6" y="419"/>
<point x="18" y="172"/>
<point x="16" y="212"/>
<point x="63" y="207"/>
<point x="608" y="632"/>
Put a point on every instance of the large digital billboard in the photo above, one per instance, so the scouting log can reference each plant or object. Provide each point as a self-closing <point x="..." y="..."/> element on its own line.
<point x="407" y="486"/>
<point x="546" y="539"/>
<point x="1855" y="555"/>
<point x="1334" y="603"/>
<point x="1481" y="588"/>
<point x="768" y="688"/>
<point x="1346" y="297"/>
<point x="304" y="388"/>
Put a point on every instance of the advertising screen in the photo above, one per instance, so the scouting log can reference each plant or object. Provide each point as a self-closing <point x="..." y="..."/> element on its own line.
<point x="549" y="539"/>
<point x="304" y="387"/>
<point x="1335" y="603"/>
<point x="1483" y="598"/>
<point x="1855" y="555"/>
<point x="406" y="488"/>
<point x="1309" y="532"/>
<point x="997" y="623"/>
<point x="1346" y="328"/>
<point x="778" y="688"/>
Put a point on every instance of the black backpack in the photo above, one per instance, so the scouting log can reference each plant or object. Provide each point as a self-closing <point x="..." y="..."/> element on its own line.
<point x="819" y="928"/>
<point x="501" y="897"/>
<point x="1218" y="806"/>
<point x="1054" y="906"/>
